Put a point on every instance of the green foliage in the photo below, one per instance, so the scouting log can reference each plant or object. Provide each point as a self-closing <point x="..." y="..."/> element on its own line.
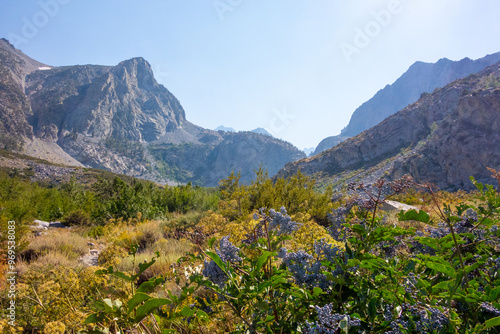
<point x="72" y="202"/>
<point x="448" y="283"/>
<point x="77" y="218"/>
<point x="296" y="193"/>
<point x="367" y="276"/>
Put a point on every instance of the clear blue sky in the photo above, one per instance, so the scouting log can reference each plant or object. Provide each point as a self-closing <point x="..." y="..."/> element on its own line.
<point x="298" y="68"/>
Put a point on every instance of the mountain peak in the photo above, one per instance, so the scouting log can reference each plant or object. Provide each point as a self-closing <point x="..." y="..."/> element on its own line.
<point x="262" y="131"/>
<point x="6" y="41"/>
<point x="419" y="78"/>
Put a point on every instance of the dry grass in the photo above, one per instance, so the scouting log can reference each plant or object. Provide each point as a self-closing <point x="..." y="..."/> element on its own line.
<point x="148" y="234"/>
<point x="64" y="242"/>
<point x="170" y="251"/>
<point x="49" y="260"/>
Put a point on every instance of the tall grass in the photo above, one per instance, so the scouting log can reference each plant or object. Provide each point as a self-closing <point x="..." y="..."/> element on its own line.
<point x="170" y="251"/>
<point x="64" y="242"/>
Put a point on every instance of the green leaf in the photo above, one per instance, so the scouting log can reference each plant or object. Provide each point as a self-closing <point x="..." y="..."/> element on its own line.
<point x="430" y="242"/>
<point x="217" y="261"/>
<point x="269" y="318"/>
<point x="492" y="323"/>
<point x="263" y="306"/>
<point x="211" y="242"/>
<point x="123" y="276"/>
<point x="138" y="298"/>
<point x="260" y="262"/>
<point x="442" y="268"/>
<point x="372" y="307"/>
<point x="187" y="311"/>
<point x="201" y="315"/>
<point x="358" y="228"/>
<point x="94" y="318"/>
<point x="149" y="306"/>
<point x="494" y="295"/>
<point x="420" y="216"/>
<point x="144" y="266"/>
<point x="149" y="286"/>
<point x="278" y="280"/>
<point x="317" y="291"/>
<point x="442" y="285"/>
<point x="264" y="286"/>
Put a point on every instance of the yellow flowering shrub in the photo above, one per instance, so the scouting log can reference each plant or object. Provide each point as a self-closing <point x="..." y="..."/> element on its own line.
<point x="111" y="256"/>
<point x="62" y="293"/>
<point x="54" y="327"/>
<point x="308" y="233"/>
<point x="6" y="328"/>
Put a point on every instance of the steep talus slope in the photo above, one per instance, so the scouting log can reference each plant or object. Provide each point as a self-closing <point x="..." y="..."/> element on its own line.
<point x="443" y="138"/>
<point x="419" y="78"/>
<point x="120" y="119"/>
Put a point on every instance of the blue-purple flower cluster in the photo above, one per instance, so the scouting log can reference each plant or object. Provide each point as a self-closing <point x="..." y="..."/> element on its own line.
<point x="227" y="252"/>
<point x="490" y="309"/>
<point x="337" y="219"/>
<point x="306" y="268"/>
<point x="282" y="222"/>
<point x="214" y="273"/>
<point x="329" y="322"/>
<point x="420" y="319"/>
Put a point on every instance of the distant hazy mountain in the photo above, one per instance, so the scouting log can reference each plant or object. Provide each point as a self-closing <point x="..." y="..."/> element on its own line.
<point x="444" y="138"/>
<point x="224" y="128"/>
<point x="308" y="150"/>
<point x="419" y="78"/>
<point x="262" y="131"/>
<point x="120" y="119"/>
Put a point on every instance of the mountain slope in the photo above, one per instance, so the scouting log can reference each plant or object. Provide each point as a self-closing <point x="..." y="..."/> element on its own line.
<point x="443" y="138"/>
<point x="120" y="119"/>
<point x="15" y="106"/>
<point x="419" y="78"/>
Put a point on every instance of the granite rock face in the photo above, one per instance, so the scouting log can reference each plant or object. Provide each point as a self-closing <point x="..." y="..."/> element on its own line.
<point x="121" y="119"/>
<point x="421" y="78"/>
<point x="443" y="138"/>
<point x="14" y="105"/>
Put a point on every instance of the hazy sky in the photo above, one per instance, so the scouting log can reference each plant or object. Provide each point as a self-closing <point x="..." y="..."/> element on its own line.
<point x="297" y="68"/>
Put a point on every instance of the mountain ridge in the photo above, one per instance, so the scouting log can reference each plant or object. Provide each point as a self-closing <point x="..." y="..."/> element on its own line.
<point x="443" y="138"/>
<point x="120" y="118"/>
<point x="421" y="77"/>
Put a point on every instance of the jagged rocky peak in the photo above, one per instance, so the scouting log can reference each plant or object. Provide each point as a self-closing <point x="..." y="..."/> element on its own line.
<point x="139" y="71"/>
<point x="124" y="102"/>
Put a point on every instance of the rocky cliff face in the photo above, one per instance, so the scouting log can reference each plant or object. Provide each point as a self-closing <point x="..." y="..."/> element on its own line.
<point x="14" y="105"/>
<point x="119" y="118"/>
<point x="443" y="138"/>
<point x="420" y="78"/>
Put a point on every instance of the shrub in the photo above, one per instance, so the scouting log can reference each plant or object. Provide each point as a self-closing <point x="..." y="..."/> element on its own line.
<point x="77" y="218"/>
<point x="447" y="283"/>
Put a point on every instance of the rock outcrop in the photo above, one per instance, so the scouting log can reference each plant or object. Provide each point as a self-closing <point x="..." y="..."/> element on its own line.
<point x="443" y="138"/>
<point x="120" y="119"/>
